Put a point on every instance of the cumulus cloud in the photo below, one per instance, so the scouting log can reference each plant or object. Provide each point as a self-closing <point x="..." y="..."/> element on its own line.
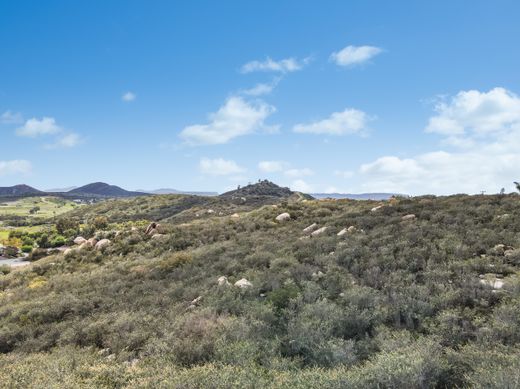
<point x="301" y="186"/>
<point x="354" y="55"/>
<point x="350" y="121"/>
<point x="36" y="127"/>
<point x="483" y="130"/>
<point x="128" y="97"/>
<point x="219" y="167"/>
<point x="9" y="117"/>
<point x="299" y="172"/>
<point x="272" y="166"/>
<point x="283" y="66"/>
<point x="17" y="166"/>
<point x="237" y="117"/>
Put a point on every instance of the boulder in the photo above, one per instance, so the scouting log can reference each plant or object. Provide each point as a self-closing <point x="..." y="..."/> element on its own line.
<point x="492" y="280"/>
<point x="92" y="241"/>
<point x="311" y="228"/>
<point x="223" y="281"/>
<point x="102" y="244"/>
<point x="157" y="236"/>
<point x="351" y="229"/>
<point x="319" y="231"/>
<point x="408" y="217"/>
<point x="376" y="208"/>
<point x="342" y="232"/>
<point x="243" y="283"/>
<point x="68" y="252"/>
<point x="283" y="217"/>
<point x="79" y="240"/>
<point x="235" y="216"/>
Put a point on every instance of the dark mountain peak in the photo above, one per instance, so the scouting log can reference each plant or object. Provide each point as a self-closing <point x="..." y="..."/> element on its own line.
<point x="103" y="189"/>
<point x="19" y="190"/>
<point x="261" y="188"/>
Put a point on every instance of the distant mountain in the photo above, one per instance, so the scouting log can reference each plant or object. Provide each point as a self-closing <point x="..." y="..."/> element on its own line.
<point x="60" y="190"/>
<point x="101" y="189"/>
<point x="262" y="188"/>
<point x="175" y="191"/>
<point x="19" y="190"/>
<point x="351" y="196"/>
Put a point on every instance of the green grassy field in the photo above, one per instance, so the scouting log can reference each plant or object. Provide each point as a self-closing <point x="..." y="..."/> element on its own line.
<point x="48" y="207"/>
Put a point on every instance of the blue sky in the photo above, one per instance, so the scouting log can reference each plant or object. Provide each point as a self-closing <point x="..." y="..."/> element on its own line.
<point x="357" y="96"/>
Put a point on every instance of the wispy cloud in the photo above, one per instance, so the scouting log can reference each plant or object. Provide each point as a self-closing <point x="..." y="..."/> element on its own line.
<point x="9" y="117"/>
<point x="354" y="55"/>
<point x="349" y="121"/>
<point x="219" y="167"/>
<point x="128" y="97"/>
<point x="66" y="141"/>
<point x="262" y="88"/>
<point x="271" y="166"/>
<point x="17" y="166"/>
<point x="269" y="65"/>
<point x="237" y="117"/>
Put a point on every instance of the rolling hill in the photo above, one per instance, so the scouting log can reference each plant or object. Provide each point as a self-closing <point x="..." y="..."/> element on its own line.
<point x="19" y="190"/>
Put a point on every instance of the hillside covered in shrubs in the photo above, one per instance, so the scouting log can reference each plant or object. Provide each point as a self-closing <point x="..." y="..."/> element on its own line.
<point x="406" y="293"/>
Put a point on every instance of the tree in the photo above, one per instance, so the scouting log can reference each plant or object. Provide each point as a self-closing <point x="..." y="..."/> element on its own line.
<point x="517" y="186"/>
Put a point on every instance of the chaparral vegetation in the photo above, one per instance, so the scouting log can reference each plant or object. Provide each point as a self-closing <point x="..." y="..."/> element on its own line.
<point x="185" y="291"/>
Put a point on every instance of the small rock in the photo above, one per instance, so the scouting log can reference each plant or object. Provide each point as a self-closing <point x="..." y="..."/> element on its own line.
<point x="235" y="216"/>
<point x="376" y="208"/>
<point x="408" y="217"/>
<point x="79" y="240"/>
<point x="351" y="229"/>
<point x="318" y="274"/>
<point x="342" y="232"/>
<point x="243" y="283"/>
<point x="196" y="301"/>
<point x="223" y="281"/>
<point x="102" y="243"/>
<point x="311" y="228"/>
<point x="283" y="217"/>
<point x="319" y="231"/>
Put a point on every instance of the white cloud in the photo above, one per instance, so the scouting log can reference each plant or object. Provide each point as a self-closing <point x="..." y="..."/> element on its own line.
<point x="128" y="96"/>
<point x="283" y="66"/>
<point x="299" y="172"/>
<point x="35" y="127"/>
<point x="237" y="117"/>
<point x="17" y="166"/>
<point x="344" y="173"/>
<point x="354" y="55"/>
<point x="262" y="88"/>
<point x="9" y="117"/>
<point x="66" y="141"/>
<point x="219" y="167"/>
<point x="484" y="130"/>
<point x="301" y="186"/>
<point x="271" y="166"/>
<point x="350" y="121"/>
